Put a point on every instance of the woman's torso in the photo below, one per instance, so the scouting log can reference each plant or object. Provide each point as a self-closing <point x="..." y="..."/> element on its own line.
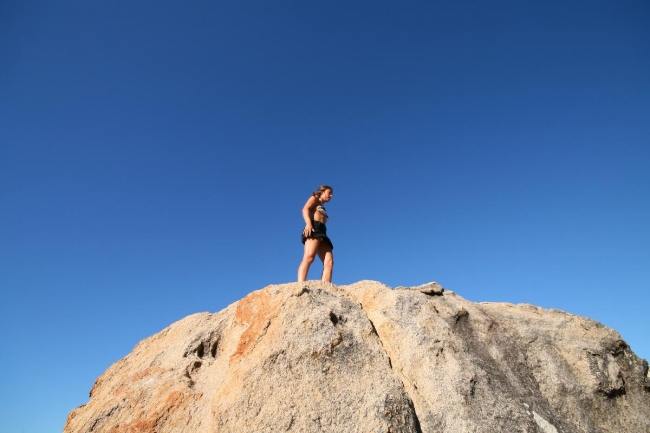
<point x="318" y="213"/>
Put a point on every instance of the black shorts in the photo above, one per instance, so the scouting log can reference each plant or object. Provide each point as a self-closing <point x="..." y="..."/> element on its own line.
<point x="320" y="231"/>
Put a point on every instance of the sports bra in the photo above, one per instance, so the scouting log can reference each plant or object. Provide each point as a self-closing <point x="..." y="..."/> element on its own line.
<point x="321" y="209"/>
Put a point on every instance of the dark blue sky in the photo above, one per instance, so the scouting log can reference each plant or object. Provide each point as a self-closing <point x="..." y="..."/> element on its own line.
<point x="154" y="159"/>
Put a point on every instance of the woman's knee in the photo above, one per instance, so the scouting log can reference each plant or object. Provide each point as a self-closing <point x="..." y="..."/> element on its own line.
<point x="328" y="261"/>
<point x="308" y="258"/>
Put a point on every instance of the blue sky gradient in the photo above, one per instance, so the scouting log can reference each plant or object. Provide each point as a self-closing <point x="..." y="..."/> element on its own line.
<point x="154" y="159"/>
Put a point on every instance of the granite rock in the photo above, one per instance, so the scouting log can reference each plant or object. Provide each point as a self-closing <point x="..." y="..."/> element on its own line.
<point x="316" y="357"/>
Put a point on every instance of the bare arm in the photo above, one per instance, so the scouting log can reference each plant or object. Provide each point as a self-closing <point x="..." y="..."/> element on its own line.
<point x="306" y="211"/>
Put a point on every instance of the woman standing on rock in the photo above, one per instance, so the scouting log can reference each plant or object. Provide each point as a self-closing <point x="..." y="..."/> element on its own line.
<point x="314" y="236"/>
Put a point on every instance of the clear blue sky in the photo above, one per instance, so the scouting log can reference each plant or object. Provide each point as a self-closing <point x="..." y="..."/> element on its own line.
<point x="155" y="156"/>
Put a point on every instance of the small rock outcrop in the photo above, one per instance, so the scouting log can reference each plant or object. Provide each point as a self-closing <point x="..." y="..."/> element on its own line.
<point x="315" y="357"/>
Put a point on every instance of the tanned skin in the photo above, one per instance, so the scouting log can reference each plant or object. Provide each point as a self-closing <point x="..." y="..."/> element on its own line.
<point x="315" y="246"/>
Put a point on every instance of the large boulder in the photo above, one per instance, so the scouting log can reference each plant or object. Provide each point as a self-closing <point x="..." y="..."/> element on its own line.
<point x="315" y="357"/>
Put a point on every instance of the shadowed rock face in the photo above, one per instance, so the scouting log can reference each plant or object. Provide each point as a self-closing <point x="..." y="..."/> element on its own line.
<point x="314" y="357"/>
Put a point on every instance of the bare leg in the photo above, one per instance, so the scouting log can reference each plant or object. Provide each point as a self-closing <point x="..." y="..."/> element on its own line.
<point x="326" y="255"/>
<point x="311" y="247"/>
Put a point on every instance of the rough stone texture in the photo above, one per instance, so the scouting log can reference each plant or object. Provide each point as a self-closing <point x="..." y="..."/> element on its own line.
<point x="315" y="357"/>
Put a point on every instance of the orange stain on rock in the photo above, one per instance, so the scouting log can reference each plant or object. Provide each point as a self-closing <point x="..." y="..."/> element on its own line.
<point x="148" y="426"/>
<point x="161" y="415"/>
<point x="256" y="310"/>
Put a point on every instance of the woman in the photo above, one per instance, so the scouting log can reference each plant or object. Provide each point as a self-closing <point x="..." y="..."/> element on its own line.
<point x="314" y="236"/>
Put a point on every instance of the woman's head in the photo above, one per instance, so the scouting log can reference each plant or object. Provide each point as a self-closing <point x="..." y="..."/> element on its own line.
<point x="324" y="193"/>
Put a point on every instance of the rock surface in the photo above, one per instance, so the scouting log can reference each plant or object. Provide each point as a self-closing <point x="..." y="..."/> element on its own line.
<point x="315" y="357"/>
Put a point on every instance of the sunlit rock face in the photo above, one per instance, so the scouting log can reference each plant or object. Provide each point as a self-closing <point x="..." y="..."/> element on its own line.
<point x="315" y="357"/>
